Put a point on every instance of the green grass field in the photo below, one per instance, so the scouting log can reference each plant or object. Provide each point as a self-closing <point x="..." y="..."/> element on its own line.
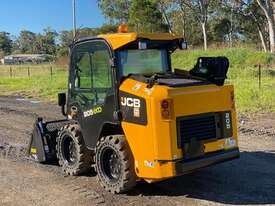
<point x="243" y="74"/>
<point x="41" y="84"/>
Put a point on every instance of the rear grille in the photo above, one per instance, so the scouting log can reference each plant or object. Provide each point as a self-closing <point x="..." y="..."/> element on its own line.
<point x="196" y="128"/>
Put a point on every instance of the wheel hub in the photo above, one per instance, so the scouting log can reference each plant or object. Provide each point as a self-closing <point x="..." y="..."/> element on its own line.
<point x="111" y="165"/>
<point x="69" y="150"/>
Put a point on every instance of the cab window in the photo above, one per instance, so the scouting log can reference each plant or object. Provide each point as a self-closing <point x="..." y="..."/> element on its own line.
<point x="92" y="74"/>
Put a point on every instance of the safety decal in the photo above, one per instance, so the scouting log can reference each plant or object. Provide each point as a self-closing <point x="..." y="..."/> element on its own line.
<point x="136" y="112"/>
<point x="33" y="150"/>
<point x="136" y="87"/>
<point x="149" y="164"/>
<point x="229" y="142"/>
<point x="149" y="91"/>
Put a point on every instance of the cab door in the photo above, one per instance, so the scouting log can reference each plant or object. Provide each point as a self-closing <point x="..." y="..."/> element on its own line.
<point x="92" y="93"/>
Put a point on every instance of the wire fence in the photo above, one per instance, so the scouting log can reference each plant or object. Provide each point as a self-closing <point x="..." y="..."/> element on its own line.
<point x="259" y="74"/>
<point x="31" y="71"/>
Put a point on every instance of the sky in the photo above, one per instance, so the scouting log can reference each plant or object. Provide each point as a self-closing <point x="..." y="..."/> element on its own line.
<point x="36" y="15"/>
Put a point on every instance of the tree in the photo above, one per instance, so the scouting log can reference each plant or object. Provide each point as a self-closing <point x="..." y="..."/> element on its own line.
<point x="46" y="42"/>
<point x="166" y="7"/>
<point x="66" y="37"/>
<point x="115" y="11"/>
<point x="267" y="7"/>
<point x="26" y="42"/>
<point x="141" y="15"/>
<point x="145" y="17"/>
<point x="5" y="43"/>
<point x="251" y="12"/>
<point x="107" y="28"/>
<point x="31" y="43"/>
<point x="253" y="16"/>
<point x="199" y="9"/>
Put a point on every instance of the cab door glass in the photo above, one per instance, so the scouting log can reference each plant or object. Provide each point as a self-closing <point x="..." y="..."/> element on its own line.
<point x="92" y="74"/>
<point x="101" y="74"/>
<point x="83" y="71"/>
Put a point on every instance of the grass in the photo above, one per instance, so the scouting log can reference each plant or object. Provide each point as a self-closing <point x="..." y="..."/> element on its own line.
<point x="250" y="97"/>
<point x="238" y="57"/>
<point x="242" y="73"/>
<point x="39" y="85"/>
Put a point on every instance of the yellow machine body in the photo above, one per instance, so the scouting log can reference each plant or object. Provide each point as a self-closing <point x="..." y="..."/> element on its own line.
<point x="154" y="146"/>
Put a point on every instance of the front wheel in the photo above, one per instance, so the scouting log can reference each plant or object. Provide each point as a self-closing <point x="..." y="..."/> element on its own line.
<point x="114" y="164"/>
<point x="72" y="153"/>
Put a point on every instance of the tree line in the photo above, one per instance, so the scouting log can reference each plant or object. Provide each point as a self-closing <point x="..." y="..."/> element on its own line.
<point x="201" y="22"/>
<point x="48" y="42"/>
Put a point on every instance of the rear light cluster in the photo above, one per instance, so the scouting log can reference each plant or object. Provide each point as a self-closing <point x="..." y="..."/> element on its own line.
<point x="166" y="108"/>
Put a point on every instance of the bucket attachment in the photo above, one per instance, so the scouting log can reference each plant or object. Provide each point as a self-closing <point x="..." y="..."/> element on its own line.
<point x="43" y="140"/>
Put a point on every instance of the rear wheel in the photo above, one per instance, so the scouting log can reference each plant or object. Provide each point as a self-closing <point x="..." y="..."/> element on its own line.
<point x="114" y="164"/>
<point x="74" y="157"/>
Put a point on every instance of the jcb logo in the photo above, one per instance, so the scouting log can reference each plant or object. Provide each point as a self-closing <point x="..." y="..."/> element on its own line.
<point x="130" y="102"/>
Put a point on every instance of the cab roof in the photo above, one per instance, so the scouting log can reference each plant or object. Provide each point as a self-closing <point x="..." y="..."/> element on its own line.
<point x="118" y="40"/>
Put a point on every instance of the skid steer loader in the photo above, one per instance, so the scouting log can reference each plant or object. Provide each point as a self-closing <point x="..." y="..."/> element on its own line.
<point x="132" y="117"/>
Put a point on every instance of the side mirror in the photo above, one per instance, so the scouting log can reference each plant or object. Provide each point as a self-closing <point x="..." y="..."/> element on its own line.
<point x="61" y="99"/>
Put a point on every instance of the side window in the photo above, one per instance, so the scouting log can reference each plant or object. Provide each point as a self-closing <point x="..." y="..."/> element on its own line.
<point x="92" y="78"/>
<point x="101" y="74"/>
<point x="83" y="71"/>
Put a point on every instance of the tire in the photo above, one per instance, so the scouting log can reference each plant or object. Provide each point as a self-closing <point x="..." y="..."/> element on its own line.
<point x="73" y="155"/>
<point x="114" y="164"/>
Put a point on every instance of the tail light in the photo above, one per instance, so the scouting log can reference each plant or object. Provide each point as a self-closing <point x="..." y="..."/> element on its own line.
<point x="166" y="108"/>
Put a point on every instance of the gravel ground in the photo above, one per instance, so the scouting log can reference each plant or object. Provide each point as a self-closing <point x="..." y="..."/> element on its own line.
<point x="249" y="180"/>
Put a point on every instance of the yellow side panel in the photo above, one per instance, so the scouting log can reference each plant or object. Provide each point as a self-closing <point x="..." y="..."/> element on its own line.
<point x="140" y="137"/>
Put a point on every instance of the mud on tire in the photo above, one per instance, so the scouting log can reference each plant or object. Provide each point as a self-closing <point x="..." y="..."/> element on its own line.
<point x="73" y="155"/>
<point x="114" y="164"/>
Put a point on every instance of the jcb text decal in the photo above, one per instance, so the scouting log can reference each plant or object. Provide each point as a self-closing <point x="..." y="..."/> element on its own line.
<point x="130" y="102"/>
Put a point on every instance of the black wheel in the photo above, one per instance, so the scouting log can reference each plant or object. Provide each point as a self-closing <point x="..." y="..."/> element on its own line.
<point x="114" y="164"/>
<point x="74" y="157"/>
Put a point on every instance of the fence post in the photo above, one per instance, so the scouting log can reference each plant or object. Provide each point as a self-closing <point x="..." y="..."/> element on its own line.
<point x="51" y="69"/>
<point x="29" y="73"/>
<point x="10" y="71"/>
<point x="260" y="75"/>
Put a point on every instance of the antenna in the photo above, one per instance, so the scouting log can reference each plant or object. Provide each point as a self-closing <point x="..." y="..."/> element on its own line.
<point x="74" y="18"/>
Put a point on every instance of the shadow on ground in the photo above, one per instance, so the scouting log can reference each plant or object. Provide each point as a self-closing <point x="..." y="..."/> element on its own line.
<point x="248" y="180"/>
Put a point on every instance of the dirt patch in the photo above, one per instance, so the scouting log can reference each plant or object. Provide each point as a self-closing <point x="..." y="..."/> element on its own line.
<point x="249" y="180"/>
